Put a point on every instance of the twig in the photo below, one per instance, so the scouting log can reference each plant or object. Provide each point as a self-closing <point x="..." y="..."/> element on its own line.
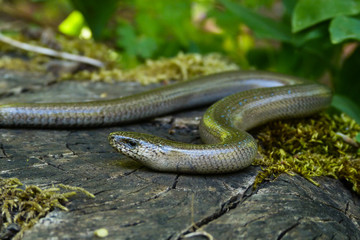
<point x="348" y="140"/>
<point x="50" y="52"/>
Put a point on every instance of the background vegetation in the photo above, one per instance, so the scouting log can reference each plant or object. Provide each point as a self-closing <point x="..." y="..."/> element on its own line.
<point x="318" y="40"/>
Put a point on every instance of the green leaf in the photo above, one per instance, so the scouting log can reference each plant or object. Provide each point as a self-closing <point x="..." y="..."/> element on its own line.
<point x="320" y="33"/>
<point x="289" y="5"/>
<point x="309" y="12"/>
<point x="225" y="21"/>
<point x="343" y="28"/>
<point x="262" y="26"/>
<point x="96" y="13"/>
<point x="73" y="24"/>
<point x="133" y="45"/>
<point x="146" y="47"/>
<point x="346" y="81"/>
<point x="127" y="39"/>
<point x="347" y="106"/>
<point x="167" y="24"/>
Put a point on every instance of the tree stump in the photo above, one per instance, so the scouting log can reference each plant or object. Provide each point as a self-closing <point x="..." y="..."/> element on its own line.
<point x="133" y="202"/>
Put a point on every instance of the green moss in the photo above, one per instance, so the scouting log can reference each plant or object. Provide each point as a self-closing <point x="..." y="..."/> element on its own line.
<point x="317" y="146"/>
<point x="180" y="67"/>
<point x="22" y="206"/>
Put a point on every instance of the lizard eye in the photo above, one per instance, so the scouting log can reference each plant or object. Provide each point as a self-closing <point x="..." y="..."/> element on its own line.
<point x="130" y="143"/>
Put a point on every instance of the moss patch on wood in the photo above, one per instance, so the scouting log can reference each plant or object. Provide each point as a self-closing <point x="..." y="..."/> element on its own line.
<point x="320" y="145"/>
<point x="22" y="206"/>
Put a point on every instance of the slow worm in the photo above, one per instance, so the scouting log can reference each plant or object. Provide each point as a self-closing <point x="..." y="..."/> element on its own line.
<point x="253" y="98"/>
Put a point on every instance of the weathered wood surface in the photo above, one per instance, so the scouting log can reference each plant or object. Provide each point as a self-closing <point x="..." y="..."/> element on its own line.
<point x="133" y="202"/>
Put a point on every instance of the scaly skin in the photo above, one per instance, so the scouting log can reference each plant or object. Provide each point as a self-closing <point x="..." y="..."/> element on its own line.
<point x="223" y="128"/>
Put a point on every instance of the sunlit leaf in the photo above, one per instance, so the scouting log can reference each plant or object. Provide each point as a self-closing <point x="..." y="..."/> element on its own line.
<point x="343" y="28"/>
<point x="73" y="24"/>
<point x="309" y="12"/>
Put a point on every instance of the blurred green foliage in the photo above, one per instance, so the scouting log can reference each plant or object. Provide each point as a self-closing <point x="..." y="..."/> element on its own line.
<point x="311" y="39"/>
<point x="96" y="13"/>
<point x="157" y="29"/>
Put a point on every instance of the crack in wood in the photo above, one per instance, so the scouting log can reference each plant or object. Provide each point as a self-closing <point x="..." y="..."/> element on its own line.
<point x="347" y="206"/>
<point x="254" y="220"/>
<point x="3" y="150"/>
<point x="333" y="207"/>
<point x="67" y="145"/>
<point x="225" y="208"/>
<point x="133" y="223"/>
<point x="176" y="180"/>
<point x="137" y="203"/>
<point x="155" y="196"/>
<point x="139" y="189"/>
<point x="170" y="237"/>
<point x="56" y="166"/>
<point x="131" y="172"/>
<point x="283" y="233"/>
